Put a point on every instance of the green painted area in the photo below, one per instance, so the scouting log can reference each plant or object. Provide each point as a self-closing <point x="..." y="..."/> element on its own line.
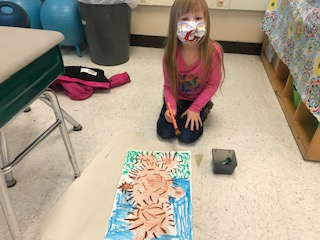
<point x="183" y="158"/>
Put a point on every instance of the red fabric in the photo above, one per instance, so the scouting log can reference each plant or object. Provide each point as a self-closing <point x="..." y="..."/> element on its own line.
<point x="94" y="84"/>
<point x="119" y="79"/>
<point x="79" y="89"/>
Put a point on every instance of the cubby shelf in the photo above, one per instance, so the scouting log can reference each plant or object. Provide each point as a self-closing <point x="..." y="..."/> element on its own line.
<point x="299" y="118"/>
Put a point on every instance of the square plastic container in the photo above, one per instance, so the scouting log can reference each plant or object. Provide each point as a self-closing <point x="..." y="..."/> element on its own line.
<point x="224" y="161"/>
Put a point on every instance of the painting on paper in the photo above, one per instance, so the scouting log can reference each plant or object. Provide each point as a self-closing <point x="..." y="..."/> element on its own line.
<point x="153" y="199"/>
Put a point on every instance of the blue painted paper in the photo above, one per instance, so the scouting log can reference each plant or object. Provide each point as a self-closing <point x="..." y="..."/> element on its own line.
<point x="140" y="213"/>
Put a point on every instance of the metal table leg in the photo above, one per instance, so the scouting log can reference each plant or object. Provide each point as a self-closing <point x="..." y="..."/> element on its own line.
<point x="4" y="154"/>
<point x="8" y="209"/>
<point x="76" y="126"/>
<point x="51" y="96"/>
<point x="7" y="166"/>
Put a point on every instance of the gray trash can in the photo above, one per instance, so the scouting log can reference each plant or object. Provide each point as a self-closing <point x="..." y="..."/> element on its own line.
<point x="107" y="29"/>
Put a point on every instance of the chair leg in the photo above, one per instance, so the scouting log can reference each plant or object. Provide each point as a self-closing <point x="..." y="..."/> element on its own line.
<point x="51" y="96"/>
<point x="76" y="126"/>
<point x="8" y="210"/>
<point x="4" y="154"/>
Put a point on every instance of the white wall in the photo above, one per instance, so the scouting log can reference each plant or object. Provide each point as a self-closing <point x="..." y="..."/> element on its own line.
<point x="255" y="5"/>
<point x="226" y="25"/>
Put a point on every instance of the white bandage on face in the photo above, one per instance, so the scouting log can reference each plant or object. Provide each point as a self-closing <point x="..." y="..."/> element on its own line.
<point x="191" y="32"/>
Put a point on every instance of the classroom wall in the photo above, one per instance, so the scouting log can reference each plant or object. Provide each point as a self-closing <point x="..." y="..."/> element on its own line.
<point x="226" y="25"/>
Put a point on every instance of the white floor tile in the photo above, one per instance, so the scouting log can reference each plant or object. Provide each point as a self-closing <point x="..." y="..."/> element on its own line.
<point x="272" y="194"/>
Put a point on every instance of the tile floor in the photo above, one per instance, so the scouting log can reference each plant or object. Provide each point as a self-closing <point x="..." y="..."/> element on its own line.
<point x="273" y="193"/>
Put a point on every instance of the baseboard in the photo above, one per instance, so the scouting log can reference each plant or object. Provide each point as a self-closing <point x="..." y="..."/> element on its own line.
<point x="228" y="47"/>
<point x="147" y="41"/>
<point x="241" y="47"/>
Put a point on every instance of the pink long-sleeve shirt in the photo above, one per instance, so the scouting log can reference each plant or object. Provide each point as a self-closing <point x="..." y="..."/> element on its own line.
<point x="190" y="87"/>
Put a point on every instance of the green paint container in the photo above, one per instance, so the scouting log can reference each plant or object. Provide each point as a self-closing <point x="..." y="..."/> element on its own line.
<point x="224" y="161"/>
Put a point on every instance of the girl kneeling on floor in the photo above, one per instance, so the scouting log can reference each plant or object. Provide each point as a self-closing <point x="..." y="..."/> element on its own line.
<point x="193" y="70"/>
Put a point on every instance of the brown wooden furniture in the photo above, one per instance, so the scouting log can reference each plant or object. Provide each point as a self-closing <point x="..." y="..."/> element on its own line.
<point x="300" y="119"/>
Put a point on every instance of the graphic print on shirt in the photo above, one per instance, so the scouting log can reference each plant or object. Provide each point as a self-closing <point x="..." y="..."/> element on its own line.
<point x="189" y="83"/>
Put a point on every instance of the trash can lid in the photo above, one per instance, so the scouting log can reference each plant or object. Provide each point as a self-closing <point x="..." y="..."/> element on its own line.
<point x="131" y="3"/>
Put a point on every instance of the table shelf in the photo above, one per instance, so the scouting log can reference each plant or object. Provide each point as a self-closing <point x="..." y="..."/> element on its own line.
<point x="299" y="118"/>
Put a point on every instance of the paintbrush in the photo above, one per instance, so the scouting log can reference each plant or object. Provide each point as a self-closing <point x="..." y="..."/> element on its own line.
<point x="176" y="129"/>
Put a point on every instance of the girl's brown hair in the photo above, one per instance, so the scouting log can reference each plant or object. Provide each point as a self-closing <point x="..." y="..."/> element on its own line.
<point x="206" y="46"/>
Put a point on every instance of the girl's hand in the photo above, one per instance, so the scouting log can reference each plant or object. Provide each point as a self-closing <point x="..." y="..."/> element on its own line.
<point x="193" y="119"/>
<point x="167" y="115"/>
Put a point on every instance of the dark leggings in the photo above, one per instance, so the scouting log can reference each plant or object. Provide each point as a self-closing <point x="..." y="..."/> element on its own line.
<point x="166" y="130"/>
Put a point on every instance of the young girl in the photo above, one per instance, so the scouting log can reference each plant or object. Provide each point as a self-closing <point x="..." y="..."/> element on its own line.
<point x="193" y="69"/>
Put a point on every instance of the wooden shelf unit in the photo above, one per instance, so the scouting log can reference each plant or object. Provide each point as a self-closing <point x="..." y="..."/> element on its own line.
<point x="300" y="119"/>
